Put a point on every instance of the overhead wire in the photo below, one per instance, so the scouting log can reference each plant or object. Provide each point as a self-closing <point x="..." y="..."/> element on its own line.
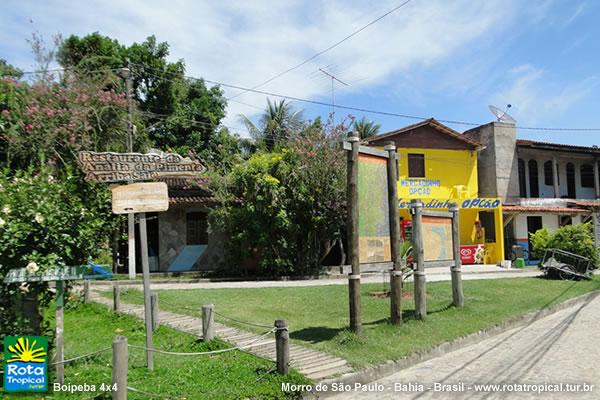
<point x="345" y="107"/>
<point x="381" y="112"/>
<point x="309" y="59"/>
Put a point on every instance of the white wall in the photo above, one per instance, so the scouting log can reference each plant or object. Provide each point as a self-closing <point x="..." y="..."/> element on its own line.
<point x="547" y="191"/>
<point x="549" y="221"/>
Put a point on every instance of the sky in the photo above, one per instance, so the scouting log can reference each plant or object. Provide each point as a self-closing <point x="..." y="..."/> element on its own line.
<point x="430" y="58"/>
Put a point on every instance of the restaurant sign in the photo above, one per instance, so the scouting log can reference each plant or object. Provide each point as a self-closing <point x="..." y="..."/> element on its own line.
<point x="118" y="167"/>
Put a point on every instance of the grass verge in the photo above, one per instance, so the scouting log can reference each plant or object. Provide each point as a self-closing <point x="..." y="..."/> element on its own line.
<point x="318" y="315"/>
<point x="230" y="375"/>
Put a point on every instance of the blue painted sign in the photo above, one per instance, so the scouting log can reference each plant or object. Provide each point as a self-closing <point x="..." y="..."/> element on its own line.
<point x="476" y="203"/>
<point x="420" y="186"/>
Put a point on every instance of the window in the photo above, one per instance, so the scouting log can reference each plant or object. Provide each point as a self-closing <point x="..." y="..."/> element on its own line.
<point x="534" y="183"/>
<point x="587" y="176"/>
<point x="571" y="190"/>
<point x="197" y="228"/>
<point x="416" y="166"/>
<point x="564" y="220"/>
<point x="548" y="173"/>
<point x="522" y="181"/>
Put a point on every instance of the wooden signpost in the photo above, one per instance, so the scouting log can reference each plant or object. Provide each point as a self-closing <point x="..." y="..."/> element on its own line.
<point x="428" y="229"/>
<point x="373" y="227"/>
<point x="139" y="198"/>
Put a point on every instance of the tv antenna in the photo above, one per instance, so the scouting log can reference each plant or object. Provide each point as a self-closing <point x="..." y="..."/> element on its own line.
<point x="333" y="80"/>
<point x="503" y="116"/>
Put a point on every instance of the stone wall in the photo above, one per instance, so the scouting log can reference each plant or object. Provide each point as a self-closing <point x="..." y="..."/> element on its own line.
<point x="172" y="240"/>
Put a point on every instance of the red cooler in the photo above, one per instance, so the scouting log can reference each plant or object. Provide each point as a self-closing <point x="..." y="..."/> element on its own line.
<point x="472" y="253"/>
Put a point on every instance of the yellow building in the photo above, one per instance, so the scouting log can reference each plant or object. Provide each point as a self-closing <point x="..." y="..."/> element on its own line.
<point x="439" y="166"/>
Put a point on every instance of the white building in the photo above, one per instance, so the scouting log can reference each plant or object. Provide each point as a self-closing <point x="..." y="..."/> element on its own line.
<point x="541" y="184"/>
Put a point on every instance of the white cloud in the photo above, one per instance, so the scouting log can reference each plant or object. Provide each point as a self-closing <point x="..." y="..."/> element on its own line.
<point x="246" y="43"/>
<point x="535" y="95"/>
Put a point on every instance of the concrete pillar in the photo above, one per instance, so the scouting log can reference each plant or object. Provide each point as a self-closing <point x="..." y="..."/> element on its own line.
<point x="527" y="186"/>
<point x="555" y="178"/>
<point x="596" y="179"/>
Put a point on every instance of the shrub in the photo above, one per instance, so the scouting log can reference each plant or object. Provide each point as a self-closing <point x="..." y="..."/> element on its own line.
<point x="285" y="209"/>
<point x="46" y="221"/>
<point x="577" y="239"/>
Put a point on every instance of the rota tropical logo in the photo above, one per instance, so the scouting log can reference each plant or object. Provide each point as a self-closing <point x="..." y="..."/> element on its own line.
<point x="25" y="364"/>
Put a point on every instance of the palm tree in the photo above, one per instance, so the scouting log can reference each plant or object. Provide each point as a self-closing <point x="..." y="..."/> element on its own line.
<point x="275" y="125"/>
<point x="366" y="128"/>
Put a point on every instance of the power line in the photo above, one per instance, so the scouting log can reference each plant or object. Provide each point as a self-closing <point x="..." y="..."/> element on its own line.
<point x="379" y="112"/>
<point x="325" y="50"/>
<point x="329" y="105"/>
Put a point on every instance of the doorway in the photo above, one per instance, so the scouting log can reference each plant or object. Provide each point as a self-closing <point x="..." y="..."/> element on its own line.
<point x="534" y="224"/>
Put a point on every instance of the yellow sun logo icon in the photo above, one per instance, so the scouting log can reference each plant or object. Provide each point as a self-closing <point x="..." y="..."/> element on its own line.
<point x="25" y="351"/>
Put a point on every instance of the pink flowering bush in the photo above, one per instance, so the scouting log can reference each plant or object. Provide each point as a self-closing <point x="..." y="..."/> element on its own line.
<point x="52" y="121"/>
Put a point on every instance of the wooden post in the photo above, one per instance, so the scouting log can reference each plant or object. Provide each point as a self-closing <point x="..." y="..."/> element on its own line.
<point x="119" y="368"/>
<point x="131" y="245"/>
<point x="60" y="329"/>
<point x="146" y="279"/>
<point x="352" y="232"/>
<point x="457" y="289"/>
<point x="116" y="297"/>
<point x="396" y="273"/>
<point x="419" y="273"/>
<point x="208" y="326"/>
<point x="86" y="291"/>
<point x="282" y="346"/>
<point x="155" y="309"/>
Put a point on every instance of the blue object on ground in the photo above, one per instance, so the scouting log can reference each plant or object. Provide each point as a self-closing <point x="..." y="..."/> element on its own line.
<point x="187" y="258"/>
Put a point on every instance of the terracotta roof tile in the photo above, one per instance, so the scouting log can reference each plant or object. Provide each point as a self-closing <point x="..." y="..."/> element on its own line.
<point x="431" y="122"/>
<point x="543" y="209"/>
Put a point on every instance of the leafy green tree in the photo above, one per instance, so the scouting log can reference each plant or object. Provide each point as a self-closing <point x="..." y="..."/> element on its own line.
<point x="7" y="70"/>
<point x="366" y="128"/>
<point x="285" y="209"/>
<point x="276" y="125"/>
<point x="180" y="114"/>
<point x="46" y="220"/>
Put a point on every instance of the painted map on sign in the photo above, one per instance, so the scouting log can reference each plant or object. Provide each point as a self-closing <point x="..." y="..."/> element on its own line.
<point x="373" y="218"/>
<point x="437" y="238"/>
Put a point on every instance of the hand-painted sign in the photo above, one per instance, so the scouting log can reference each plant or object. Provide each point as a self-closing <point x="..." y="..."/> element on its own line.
<point x="119" y="167"/>
<point x="421" y="187"/>
<point x="437" y="238"/>
<point x="373" y="218"/>
<point x="140" y="197"/>
<point x="476" y="203"/>
<point x="25" y="364"/>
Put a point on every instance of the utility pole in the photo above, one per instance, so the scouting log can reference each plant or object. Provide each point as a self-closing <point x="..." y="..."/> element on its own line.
<point x="130" y="216"/>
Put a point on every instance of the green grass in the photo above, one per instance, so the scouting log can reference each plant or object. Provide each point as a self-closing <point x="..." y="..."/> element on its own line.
<point x="318" y="316"/>
<point x="230" y="375"/>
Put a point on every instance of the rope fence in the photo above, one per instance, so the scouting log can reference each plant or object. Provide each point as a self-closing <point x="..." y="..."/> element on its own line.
<point x="93" y="353"/>
<point x="206" y="353"/>
<point x="241" y="322"/>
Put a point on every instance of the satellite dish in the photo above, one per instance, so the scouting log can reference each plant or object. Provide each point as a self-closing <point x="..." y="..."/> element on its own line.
<point x="502" y="116"/>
